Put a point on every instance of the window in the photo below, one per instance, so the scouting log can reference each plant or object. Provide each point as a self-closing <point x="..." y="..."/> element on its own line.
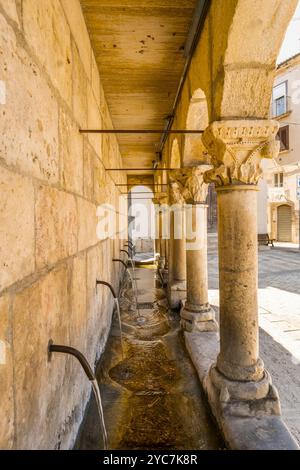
<point x="283" y="137"/>
<point x="278" y="180"/>
<point x="279" y="100"/>
<point x="280" y="106"/>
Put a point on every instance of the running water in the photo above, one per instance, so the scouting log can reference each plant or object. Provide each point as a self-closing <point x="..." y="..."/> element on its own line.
<point x="120" y="324"/>
<point x="134" y="287"/>
<point x="135" y="284"/>
<point x="97" y="395"/>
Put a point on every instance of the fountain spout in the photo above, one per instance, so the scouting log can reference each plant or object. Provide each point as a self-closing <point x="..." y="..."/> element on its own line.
<point x="125" y="251"/>
<point x="90" y="375"/>
<point x="134" y="285"/>
<point x="104" y="283"/>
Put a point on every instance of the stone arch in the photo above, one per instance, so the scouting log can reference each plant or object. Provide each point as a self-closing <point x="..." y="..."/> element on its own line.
<point x="235" y="59"/>
<point x="164" y="179"/>
<point x="197" y="119"/>
<point x="244" y="78"/>
<point x="175" y="156"/>
<point x="141" y="212"/>
<point x="140" y="180"/>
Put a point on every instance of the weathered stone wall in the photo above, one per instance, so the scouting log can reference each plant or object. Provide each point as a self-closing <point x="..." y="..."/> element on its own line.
<point x="51" y="180"/>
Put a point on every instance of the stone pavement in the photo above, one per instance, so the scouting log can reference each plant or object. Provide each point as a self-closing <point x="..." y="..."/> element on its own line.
<point x="279" y="318"/>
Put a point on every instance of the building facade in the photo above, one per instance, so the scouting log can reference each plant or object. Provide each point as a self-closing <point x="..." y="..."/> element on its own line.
<point x="281" y="174"/>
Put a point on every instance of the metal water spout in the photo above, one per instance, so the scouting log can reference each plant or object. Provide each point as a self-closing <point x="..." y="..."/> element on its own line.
<point x="133" y="270"/>
<point x="104" y="283"/>
<point x="117" y="260"/>
<point x="90" y="375"/>
<point x="130" y="245"/>
<point x="131" y="280"/>
<point x="129" y="258"/>
<point x="130" y="250"/>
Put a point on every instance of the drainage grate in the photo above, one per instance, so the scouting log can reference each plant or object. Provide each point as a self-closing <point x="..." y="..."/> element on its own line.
<point x="145" y="305"/>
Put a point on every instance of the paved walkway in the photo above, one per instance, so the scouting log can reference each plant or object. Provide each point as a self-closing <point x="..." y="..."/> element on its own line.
<point x="279" y="318"/>
<point x="287" y="246"/>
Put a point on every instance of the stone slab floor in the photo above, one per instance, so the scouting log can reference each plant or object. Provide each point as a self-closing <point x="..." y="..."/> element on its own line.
<point x="152" y="397"/>
<point x="279" y="318"/>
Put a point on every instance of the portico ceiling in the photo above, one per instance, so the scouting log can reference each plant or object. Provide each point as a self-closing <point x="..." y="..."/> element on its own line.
<point x="139" y="48"/>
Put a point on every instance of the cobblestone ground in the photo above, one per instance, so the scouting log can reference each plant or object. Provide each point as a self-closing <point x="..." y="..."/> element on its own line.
<point x="279" y="318"/>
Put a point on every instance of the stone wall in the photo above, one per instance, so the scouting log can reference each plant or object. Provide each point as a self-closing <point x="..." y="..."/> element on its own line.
<point x="51" y="180"/>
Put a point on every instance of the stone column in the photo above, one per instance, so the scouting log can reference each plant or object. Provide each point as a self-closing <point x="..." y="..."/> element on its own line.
<point x="238" y="382"/>
<point x="177" y="278"/>
<point x="162" y="200"/>
<point x="157" y="246"/>
<point x="167" y="255"/>
<point x="197" y="314"/>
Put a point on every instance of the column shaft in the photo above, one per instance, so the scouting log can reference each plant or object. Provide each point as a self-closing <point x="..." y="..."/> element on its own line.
<point x="196" y="258"/>
<point x="237" y="228"/>
<point x="179" y="255"/>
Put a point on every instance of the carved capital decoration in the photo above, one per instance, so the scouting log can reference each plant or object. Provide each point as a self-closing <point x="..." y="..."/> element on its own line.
<point x="161" y="198"/>
<point x="236" y="149"/>
<point x="177" y="180"/>
<point x="195" y="190"/>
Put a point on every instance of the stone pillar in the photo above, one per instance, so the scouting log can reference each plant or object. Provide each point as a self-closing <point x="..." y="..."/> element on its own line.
<point x="160" y="202"/>
<point x="161" y="233"/>
<point x="177" y="276"/>
<point x="157" y="247"/>
<point x="197" y="314"/>
<point x="167" y="255"/>
<point x="262" y="215"/>
<point x="238" y="382"/>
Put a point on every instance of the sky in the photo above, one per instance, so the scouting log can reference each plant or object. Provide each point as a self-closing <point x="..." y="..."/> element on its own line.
<point x="291" y="43"/>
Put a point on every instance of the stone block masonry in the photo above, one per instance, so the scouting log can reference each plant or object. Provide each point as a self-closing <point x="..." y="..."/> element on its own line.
<point x="51" y="181"/>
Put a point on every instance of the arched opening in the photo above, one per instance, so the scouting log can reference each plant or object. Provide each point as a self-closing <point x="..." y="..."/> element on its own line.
<point x="175" y="157"/>
<point x="243" y="84"/>
<point x="141" y="223"/>
<point x="195" y="152"/>
<point x="197" y="119"/>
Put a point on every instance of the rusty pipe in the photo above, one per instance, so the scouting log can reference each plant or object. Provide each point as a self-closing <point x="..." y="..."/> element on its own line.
<point x="104" y="283"/>
<point x="73" y="352"/>
<point x="120" y="261"/>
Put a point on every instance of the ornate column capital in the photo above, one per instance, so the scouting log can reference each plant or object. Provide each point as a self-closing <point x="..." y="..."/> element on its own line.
<point x="161" y="198"/>
<point x="177" y="180"/>
<point x="236" y="149"/>
<point x="195" y="189"/>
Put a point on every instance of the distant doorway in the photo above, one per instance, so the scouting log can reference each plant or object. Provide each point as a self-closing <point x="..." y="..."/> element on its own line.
<point x="284" y="223"/>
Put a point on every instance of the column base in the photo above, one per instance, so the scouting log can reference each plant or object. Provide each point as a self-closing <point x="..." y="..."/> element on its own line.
<point x="243" y="399"/>
<point x="176" y="294"/>
<point x="198" y="318"/>
<point x="165" y="275"/>
<point x="259" y="432"/>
